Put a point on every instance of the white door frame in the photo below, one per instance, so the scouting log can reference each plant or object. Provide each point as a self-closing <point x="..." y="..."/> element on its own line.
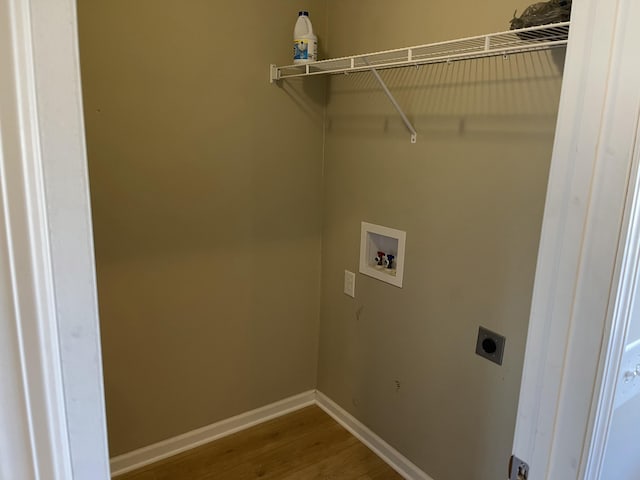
<point x="51" y="396"/>
<point x="583" y="243"/>
<point x="57" y="345"/>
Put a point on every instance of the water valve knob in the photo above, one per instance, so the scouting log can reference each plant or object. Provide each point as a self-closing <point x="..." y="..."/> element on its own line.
<point x="390" y="258"/>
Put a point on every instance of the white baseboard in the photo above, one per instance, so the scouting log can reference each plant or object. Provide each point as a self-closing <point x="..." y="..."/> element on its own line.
<point x="386" y="452"/>
<point x="172" y="446"/>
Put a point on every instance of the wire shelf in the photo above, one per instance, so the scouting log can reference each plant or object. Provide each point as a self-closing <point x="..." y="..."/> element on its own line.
<point x="503" y="43"/>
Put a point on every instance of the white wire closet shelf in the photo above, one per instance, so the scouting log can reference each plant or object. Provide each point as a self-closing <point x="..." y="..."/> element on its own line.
<point x="530" y="39"/>
<point x="503" y="43"/>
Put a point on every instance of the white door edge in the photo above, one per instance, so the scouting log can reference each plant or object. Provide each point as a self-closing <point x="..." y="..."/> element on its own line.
<point x="622" y="303"/>
<point x="621" y="306"/>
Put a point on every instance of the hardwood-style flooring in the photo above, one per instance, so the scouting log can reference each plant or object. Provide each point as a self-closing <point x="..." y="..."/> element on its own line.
<point x="304" y="445"/>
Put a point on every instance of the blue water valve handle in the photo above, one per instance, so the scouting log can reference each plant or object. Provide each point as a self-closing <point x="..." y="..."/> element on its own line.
<point x="390" y="258"/>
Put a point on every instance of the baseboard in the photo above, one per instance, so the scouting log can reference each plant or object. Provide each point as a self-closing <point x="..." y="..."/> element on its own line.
<point x="172" y="446"/>
<point x="386" y="452"/>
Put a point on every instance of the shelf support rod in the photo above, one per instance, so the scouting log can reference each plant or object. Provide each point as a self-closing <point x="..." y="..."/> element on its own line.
<point x="392" y="99"/>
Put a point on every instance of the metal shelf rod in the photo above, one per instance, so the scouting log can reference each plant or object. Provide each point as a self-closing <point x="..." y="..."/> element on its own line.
<point x="276" y="71"/>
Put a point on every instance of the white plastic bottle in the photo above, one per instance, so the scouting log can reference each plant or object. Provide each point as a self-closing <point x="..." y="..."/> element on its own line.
<point x="305" y="43"/>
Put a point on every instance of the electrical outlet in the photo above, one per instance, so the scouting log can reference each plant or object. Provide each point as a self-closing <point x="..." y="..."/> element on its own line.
<point x="350" y="283"/>
<point x="490" y="345"/>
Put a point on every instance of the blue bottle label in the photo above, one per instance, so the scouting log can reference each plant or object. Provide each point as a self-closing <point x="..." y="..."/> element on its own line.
<point x="301" y="50"/>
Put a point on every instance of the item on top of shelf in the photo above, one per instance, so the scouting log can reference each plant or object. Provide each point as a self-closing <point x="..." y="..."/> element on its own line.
<point x="305" y="43"/>
<point x="542" y="13"/>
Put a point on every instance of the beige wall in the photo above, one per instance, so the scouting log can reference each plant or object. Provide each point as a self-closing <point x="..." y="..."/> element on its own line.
<point x="206" y="195"/>
<point x="470" y="196"/>
<point x="207" y="186"/>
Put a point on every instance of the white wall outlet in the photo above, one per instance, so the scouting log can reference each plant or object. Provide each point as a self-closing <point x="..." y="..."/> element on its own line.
<point x="350" y="283"/>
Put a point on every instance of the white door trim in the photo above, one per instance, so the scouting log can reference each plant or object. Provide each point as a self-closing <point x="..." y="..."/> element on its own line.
<point x="51" y="332"/>
<point x="578" y="263"/>
<point x="66" y="190"/>
<point x="31" y="324"/>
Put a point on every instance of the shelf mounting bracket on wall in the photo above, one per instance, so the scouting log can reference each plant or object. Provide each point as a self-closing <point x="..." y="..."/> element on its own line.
<point x="394" y="102"/>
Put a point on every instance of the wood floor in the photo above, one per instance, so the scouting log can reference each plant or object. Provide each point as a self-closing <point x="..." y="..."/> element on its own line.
<point x="304" y="445"/>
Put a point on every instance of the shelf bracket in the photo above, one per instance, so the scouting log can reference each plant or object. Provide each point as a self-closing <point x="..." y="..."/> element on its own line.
<point x="392" y="99"/>
<point x="273" y="73"/>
